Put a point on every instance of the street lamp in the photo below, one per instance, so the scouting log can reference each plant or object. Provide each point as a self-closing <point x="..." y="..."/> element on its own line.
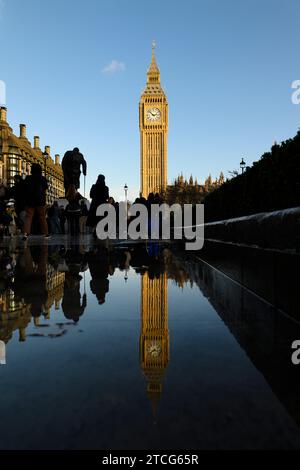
<point x="126" y="191"/>
<point x="242" y="165"/>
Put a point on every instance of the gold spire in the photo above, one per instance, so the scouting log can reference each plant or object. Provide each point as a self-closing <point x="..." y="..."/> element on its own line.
<point x="153" y="71"/>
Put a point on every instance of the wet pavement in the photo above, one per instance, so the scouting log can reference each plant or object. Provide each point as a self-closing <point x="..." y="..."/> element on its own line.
<point x="147" y="347"/>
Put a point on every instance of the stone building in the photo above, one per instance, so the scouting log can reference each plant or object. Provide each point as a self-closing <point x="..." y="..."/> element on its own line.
<point x="17" y="155"/>
<point x="15" y="314"/>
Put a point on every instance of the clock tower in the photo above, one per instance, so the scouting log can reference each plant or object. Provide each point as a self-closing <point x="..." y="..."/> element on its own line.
<point x="153" y="111"/>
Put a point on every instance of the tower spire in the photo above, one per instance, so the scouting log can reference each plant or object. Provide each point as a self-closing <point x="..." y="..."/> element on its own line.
<point x="153" y="49"/>
<point x="153" y="71"/>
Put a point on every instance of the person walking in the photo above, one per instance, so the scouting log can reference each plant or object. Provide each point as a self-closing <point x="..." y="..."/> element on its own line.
<point x="83" y="218"/>
<point x="62" y="219"/>
<point x="17" y="193"/>
<point x="4" y="193"/>
<point x="35" y="187"/>
<point x="54" y="220"/>
<point x="99" y="195"/>
<point x="73" y="213"/>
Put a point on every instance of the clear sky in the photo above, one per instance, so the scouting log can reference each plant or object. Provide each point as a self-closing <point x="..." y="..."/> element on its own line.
<point x="74" y="71"/>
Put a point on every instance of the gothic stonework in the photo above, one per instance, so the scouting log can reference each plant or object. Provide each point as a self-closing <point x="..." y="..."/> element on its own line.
<point x="153" y="110"/>
<point x="17" y="156"/>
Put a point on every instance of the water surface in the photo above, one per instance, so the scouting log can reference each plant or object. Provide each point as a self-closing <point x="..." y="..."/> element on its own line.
<point x="141" y="348"/>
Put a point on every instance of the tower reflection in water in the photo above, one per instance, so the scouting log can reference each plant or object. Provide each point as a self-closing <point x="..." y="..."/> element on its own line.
<point x="154" y="340"/>
<point x="46" y="278"/>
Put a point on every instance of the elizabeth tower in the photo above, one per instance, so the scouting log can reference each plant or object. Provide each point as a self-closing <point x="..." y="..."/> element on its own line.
<point x="154" y="133"/>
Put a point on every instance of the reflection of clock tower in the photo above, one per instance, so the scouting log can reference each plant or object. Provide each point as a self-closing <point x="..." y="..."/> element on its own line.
<point x="154" y="132"/>
<point x="154" y="340"/>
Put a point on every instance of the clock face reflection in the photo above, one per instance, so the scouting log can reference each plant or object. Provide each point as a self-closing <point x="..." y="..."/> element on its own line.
<point x="154" y="349"/>
<point x="153" y="114"/>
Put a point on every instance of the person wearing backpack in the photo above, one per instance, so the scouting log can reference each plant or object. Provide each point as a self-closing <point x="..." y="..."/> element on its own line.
<point x="35" y="187"/>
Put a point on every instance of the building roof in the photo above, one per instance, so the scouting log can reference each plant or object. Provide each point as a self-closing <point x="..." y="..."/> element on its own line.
<point x="153" y="86"/>
<point x="21" y="146"/>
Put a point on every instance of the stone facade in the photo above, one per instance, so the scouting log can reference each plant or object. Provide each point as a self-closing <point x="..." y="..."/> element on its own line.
<point x="17" y="155"/>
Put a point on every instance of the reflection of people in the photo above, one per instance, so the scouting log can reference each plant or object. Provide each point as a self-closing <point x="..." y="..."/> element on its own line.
<point x="71" y="303"/>
<point x="99" y="267"/>
<point x="2" y="353"/>
<point x="71" y="166"/>
<point x="30" y="278"/>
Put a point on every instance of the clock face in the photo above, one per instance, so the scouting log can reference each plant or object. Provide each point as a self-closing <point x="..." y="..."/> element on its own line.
<point x="154" y="349"/>
<point x="153" y="114"/>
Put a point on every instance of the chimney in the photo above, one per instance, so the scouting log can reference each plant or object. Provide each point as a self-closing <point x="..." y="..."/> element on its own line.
<point x="36" y="142"/>
<point x="3" y="113"/>
<point x="47" y="149"/>
<point x="57" y="159"/>
<point x="22" y="130"/>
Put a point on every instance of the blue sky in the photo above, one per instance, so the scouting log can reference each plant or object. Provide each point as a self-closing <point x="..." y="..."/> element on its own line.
<point x="226" y="66"/>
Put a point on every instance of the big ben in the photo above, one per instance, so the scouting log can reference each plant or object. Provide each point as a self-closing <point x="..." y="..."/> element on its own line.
<point x="153" y="113"/>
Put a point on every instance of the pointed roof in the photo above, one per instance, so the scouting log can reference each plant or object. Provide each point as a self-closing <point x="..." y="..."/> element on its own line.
<point x="21" y="146"/>
<point x="154" y="389"/>
<point x="153" y="86"/>
<point x="153" y="69"/>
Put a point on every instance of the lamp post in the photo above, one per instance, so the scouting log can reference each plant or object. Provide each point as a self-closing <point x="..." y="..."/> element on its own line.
<point x="126" y="192"/>
<point x="242" y="165"/>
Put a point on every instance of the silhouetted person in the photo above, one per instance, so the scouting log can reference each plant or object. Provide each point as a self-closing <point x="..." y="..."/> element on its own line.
<point x="17" y="193"/>
<point x="71" y="166"/>
<point x="35" y="187"/>
<point x="151" y="199"/>
<point x="53" y="217"/>
<point x="3" y="192"/>
<point x="83" y="216"/>
<point x="99" y="195"/>
<point x="73" y="213"/>
<point x="62" y="219"/>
